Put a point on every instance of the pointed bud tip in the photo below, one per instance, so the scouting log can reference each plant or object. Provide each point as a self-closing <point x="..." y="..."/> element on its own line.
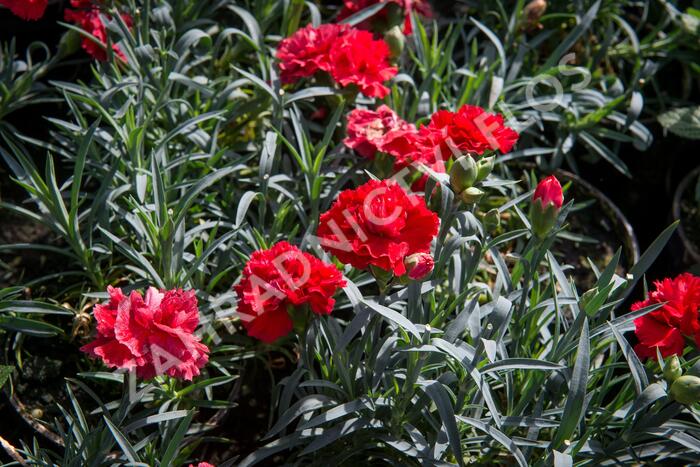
<point x="419" y="265"/>
<point x="549" y="191"/>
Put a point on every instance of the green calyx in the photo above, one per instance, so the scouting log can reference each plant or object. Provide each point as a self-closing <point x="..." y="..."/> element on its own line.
<point x="686" y="389"/>
<point x="543" y="218"/>
<point x="396" y="41"/>
<point x="672" y="370"/>
<point x="463" y="174"/>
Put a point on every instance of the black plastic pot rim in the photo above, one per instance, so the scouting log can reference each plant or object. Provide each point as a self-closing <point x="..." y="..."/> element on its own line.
<point x="630" y="242"/>
<point x="20" y="409"/>
<point x="691" y="248"/>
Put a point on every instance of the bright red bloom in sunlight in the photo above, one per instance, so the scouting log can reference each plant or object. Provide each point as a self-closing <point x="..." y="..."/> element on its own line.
<point x="154" y="335"/>
<point x="422" y="7"/>
<point x="282" y="277"/>
<point x="307" y="51"/>
<point x="668" y="327"/>
<point x="89" y="20"/>
<point x="370" y="131"/>
<point x="357" y="58"/>
<point x="549" y="191"/>
<point x="26" y="9"/>
<point x="469" y="130"/>
<point x="378" y="224"/>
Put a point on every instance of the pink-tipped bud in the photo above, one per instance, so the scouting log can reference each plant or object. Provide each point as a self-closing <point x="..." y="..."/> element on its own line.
<point x="419" y="265"/>
<point x="546" y="204"/>
<point x="549" y="191"/>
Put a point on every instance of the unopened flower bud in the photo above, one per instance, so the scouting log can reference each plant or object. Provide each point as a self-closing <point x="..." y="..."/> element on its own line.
<point x="686" y="389"/>
<point x="586" y="298"/>
<point x="69" y="43"/>
<point x="471" y="195"/>
<point x="546" y="204"/>
<point x="396" y="40"/>
<point x="492" y="219"/>
<point x="419" y="265"/>
<point x="672" y="370"/>
<point x="463" y="173"/>
<point x="484" y="168"/>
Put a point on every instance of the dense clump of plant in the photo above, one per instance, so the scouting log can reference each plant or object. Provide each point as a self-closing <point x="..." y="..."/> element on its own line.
<point x="317" y="214"/>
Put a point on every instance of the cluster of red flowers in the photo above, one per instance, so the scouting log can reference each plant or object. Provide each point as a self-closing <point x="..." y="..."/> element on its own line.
<point x="281" y="278"/>
<point x="469" y="130"/>
<point x="87" y="15"/>
<point x="350" y="56"/>
<point x="676" y="321"/>
<point x="26" y="9"/>
<point x="153" y="335"/>
<point x="377" y="224"/>
<point x="422" y="7"/>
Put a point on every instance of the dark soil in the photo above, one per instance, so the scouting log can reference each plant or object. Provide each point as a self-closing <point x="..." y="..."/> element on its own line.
<point x="647" y="198"/>
<point x="39" y="383"/>
<point x="242" y="431"/>
<point x="600" y="241"/>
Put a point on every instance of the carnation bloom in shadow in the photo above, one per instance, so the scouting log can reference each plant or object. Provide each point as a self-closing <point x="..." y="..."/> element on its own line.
<point x="26" y="9"/>
<point x="87" y="16"/>
<point x="668" y="327"/>
<point x="277" y="281"/>
<point x="152" y="335"/>
<point x="378" y="224"/>
<point x="422" y="7"/>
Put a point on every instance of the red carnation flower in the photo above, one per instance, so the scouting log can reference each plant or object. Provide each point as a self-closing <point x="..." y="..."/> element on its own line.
<point x="307" y="51"/>
<point x="549" y="191"/>
<point x="26" y="9"/>
<point x="349" y="55"/>
<point x="90" y="21"/>
<point x="378" y="224"/>
<point x="154" y="335"/>
<point x="422" y="7"/>
<point x="425" y="159"/>
<point x="469" y="130"/>
<point x="283" y="277"/>
<point x="668" y="327"/>
<point x="357" y="58"/>
<point x="382" y="130"/>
